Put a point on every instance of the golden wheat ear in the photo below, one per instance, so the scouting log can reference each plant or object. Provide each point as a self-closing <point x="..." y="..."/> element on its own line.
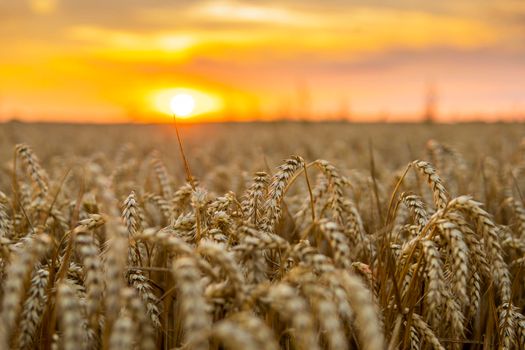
<point x="189" y="177"/>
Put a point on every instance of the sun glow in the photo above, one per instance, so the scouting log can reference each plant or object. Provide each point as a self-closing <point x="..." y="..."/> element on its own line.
<point x="186" y="103"/>
<point x="182" y="105"/>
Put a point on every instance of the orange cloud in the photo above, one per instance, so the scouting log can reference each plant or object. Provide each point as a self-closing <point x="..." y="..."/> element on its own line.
<point x="43" y="7"/>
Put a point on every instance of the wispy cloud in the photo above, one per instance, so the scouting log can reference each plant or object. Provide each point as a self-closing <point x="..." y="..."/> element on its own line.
<point x="43" y="6"/>
<point x="349" y="33"/>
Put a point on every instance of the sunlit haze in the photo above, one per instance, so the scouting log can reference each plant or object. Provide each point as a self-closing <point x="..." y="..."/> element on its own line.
<point x="182" y="105"/>
<point x="141" y="61"/>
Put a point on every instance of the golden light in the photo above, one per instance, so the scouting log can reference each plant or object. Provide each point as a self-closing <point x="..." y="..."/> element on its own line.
<point x="185" y="103"/>
<point x="43" y="7"/>
<point x="182" y="105"/>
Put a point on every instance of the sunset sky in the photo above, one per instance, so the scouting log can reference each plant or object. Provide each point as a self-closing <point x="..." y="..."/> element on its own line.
<point x="122" y="60"/>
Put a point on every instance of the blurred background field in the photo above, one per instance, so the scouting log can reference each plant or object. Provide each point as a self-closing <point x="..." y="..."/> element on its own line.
<point x="248" y="145"/>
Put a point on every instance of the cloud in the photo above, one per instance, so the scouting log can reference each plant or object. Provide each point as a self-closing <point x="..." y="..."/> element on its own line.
<point x="117" y="40"/>
<point x="352" y="34"/>
<point x="236" y="11"/>
<point x="43" y="7"/>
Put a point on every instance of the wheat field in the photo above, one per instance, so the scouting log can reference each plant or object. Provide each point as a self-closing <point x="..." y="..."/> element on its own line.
<point x="285" y="236"/>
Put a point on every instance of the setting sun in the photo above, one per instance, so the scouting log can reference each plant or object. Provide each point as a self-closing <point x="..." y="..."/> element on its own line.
<point x="182" y="105"/>
<point x="185" y="102"/>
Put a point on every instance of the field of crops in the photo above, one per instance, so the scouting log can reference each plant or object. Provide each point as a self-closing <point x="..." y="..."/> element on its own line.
<point x="285" y="236"/>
